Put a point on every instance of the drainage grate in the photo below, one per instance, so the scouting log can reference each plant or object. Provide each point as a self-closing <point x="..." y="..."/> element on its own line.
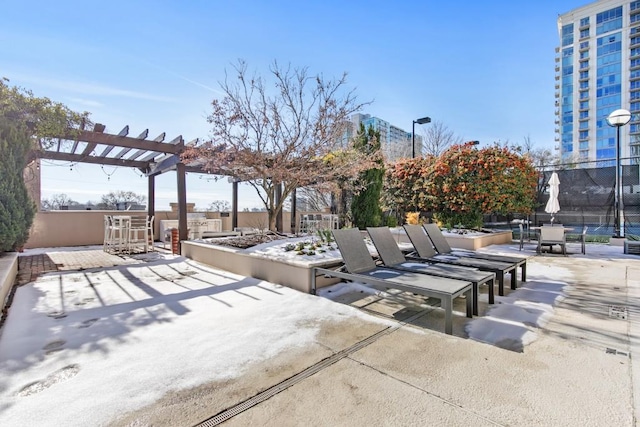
<point x="614" y="351"/>
<point x="227" y="414"/>
<point x="618" y="312"/>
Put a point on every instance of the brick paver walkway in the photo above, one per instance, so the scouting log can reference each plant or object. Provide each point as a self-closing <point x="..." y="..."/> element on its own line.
<point x="31" y="266"/>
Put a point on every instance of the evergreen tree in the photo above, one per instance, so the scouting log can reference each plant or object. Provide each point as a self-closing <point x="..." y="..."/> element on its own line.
<point x="16" y="207"/>
<point x="365" y="205"/>
<point x="25" y="120"/>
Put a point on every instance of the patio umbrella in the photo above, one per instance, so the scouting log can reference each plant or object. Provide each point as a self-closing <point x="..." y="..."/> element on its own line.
<point x="554" y="189"/>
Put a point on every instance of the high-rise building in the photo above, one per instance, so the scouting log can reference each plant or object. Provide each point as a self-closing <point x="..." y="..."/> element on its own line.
<point x="597" y="72"/>
<point x="395" y="142"/>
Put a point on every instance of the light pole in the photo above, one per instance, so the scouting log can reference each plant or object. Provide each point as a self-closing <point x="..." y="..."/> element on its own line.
<point x="618" y="118"/>
<point x="413" y="134"/>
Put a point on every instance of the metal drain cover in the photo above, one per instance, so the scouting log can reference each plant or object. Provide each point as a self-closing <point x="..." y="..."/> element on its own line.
<point x="618" y="312"/>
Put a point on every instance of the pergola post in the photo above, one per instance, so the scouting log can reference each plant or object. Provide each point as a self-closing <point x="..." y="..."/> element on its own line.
<point x="151" y="196"/>
<point x="279" y="224"/>
<point x="293" y="211"/>
<point x="182" y="201"/>
<point x="234" y="205"/>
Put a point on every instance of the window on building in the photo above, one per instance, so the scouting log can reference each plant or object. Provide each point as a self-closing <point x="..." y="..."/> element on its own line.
<point x="567" y="35"/>
<point x="584" y="22"/>
<point x="609" y="20"/>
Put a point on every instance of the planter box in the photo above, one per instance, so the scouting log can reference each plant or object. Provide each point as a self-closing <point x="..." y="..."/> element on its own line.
<point x="476" y="242"/>
<point x="292" y="274"/>
<point x="8" y="273"/>
<point x="464" y="241"/>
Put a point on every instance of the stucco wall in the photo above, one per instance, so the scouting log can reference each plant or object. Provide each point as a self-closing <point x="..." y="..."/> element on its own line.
<point x="78" y="228"/>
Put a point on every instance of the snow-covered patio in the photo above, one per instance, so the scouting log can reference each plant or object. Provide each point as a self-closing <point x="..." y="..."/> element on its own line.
<point x="164" y="340"/>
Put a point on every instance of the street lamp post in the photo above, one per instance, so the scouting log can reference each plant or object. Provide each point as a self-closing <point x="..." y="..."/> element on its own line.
<point x="413" y="134"/>
<point x="618" y="118"/>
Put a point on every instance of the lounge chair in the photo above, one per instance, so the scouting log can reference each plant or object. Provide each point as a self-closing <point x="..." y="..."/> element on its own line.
<point x="442" y="246"/>
<point x="392" y="257"/>
<point x="361" y="268"/>
<point x="425" y="252"/>
<point x="552" y="236"/>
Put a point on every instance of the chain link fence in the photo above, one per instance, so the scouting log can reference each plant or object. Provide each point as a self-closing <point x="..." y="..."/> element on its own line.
<point x="586" y="196"/>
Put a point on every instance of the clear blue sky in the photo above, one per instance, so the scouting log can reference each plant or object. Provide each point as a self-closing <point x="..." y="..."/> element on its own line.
<point x="484" y="69"/>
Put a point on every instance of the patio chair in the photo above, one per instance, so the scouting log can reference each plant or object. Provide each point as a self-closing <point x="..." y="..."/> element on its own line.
<point x="425" y="252"/>
<point x="392" y="257"/>
<point x="552" y="236"/>
<point x="361" y="268"/>
<point x="442" y="246"/>
<point x="583" y="239"/>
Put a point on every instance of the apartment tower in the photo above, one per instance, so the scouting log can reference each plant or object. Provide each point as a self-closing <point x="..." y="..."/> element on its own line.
<point x="597" y="72"/>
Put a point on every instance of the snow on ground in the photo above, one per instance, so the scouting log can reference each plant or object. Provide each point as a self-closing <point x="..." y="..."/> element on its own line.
<point x="88" y="346"/>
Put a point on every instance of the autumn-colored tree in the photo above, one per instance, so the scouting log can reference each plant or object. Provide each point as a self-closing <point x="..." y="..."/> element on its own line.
<point x="464" y="183"/>
<point x="403" y="186"/>
<point x="283" y="136"/>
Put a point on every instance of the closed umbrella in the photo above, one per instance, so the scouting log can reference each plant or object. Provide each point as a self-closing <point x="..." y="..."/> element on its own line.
<point x="554" y="189"/>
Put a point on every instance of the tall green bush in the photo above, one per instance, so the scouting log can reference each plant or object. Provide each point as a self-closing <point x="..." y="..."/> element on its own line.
<point x="365" y="205"/>
<point x="25" y="120"/>
<point x="16" y="207"/>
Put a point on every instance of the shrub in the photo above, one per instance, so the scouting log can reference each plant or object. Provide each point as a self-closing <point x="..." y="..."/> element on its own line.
<point x="16" y="207"/>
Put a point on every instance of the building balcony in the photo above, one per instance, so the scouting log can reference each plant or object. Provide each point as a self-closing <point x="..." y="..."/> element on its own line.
<point x="557" y="69"/>
<point x="586" y="58"/>
<point x="557" y="78"/>
<point x="583" y="47"/>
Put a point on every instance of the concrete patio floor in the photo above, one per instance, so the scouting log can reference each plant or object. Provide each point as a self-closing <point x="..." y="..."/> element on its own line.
<point x="359" y="371"/>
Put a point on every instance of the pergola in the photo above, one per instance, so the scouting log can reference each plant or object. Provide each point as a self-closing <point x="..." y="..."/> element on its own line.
<point x="151" y="157"/>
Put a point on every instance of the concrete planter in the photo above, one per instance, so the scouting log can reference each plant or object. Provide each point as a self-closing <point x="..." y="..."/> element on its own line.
<point x="476" y="242"/>
<point x="465" y="241"/>
<point x="292" y="274"/>
<point x="8" y="273"/>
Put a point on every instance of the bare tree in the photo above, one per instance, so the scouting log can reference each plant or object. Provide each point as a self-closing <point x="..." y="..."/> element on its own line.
<point x="219" y="206"/>
<point x="541" y="158"/>
<point x="437" y="137"/>
<point x="111" y="200"/>
<point x="313" y="199"/>
<point x="56" y="202"/>
<point x="280" y="142"/>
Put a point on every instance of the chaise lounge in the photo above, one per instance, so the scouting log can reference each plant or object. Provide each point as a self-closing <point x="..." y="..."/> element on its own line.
<point x="361" y="268"/>
<point x="425" y="252"/>
<point x="392" y="257"/>
<point x="442" y="246"/>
